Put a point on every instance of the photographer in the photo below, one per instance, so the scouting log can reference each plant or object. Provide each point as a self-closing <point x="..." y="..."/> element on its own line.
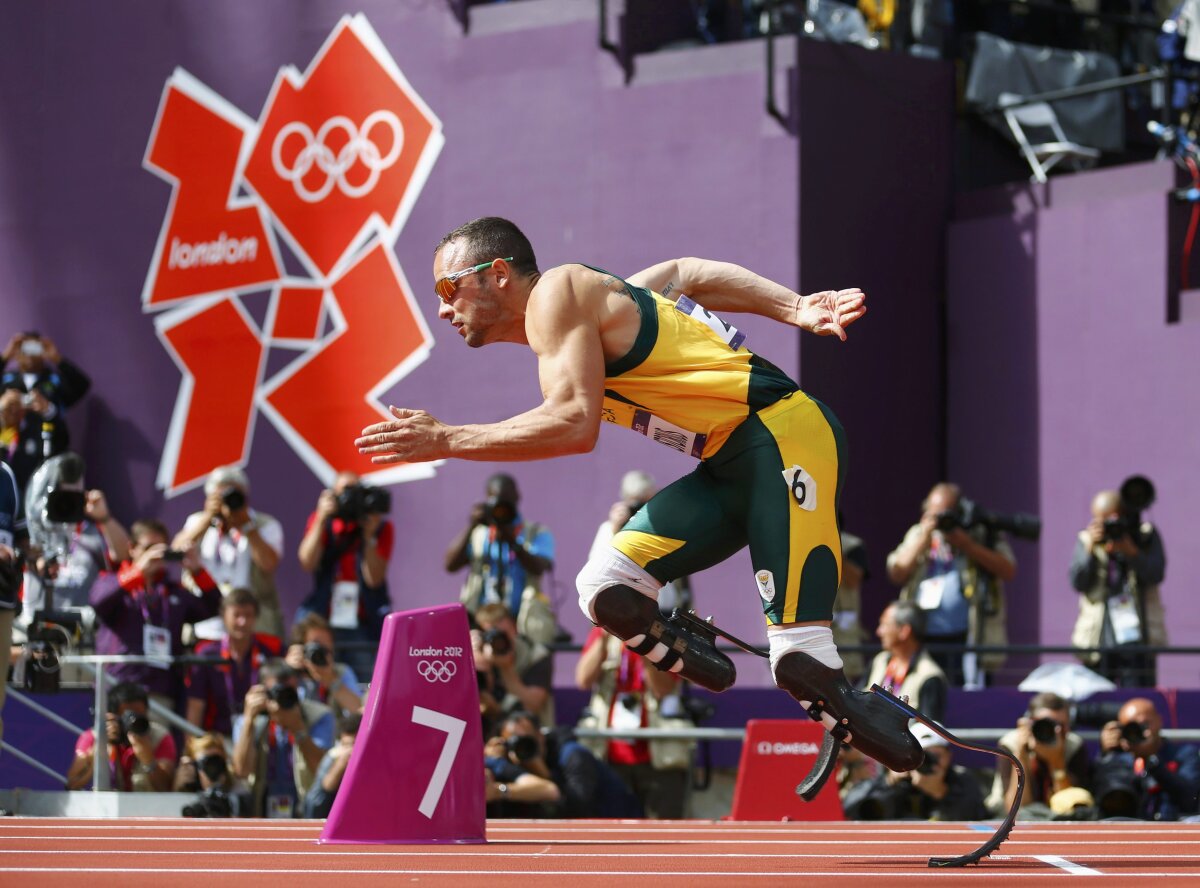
<point x="12" y="539"/>
<point x="346" y="547"/>
<point x="333" y="766"/>
<point x="1052" y="754"/>
<point x="143" y="608"/>
<point x="279" y="740"/>
<point x="141" y="754"/>
<point x="42" y="370"/>
<point x="312" y="655"/>
<point x="1117" y="567"/>
<point x="904" y="667"/>
<point x="1164" y="777"/>
<point x="587" y="786"/>
<point x="513" y="672"/>
<point x="239" y="547"/>
<point x="509" y="790"/>
<point x="26" y="440"/>
<point x="936" y="790"/>
<point x="955" y="573"/>
<point x="215" y="693"/>
<point x="204" y="769"/>
<point x="508" y="559"/>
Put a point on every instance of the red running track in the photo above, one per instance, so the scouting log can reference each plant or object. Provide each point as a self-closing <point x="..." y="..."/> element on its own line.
<point x="697" y="854"/>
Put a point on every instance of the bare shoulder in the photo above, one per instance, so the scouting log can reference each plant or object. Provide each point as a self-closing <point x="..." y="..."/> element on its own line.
<point x="566" y="296"/>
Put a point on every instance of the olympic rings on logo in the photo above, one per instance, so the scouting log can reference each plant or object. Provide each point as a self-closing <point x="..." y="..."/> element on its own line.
<point x="437" y="670"/>
<point x="359" y="148"/>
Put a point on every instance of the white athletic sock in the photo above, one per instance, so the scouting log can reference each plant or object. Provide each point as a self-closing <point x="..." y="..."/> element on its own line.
<point x="816" y="641"/>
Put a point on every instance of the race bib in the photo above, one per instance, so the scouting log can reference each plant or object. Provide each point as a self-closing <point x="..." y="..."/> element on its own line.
<point x="156" y="643"/>
<point x="930" y="591"/>
<point x="803" y="487"/>
<point x="646" y="423"/>
<point x="280" y="806"/>
<point x="731" y="336"/>
<point x="1123" y="615"/>
<point x="343" y="608"/>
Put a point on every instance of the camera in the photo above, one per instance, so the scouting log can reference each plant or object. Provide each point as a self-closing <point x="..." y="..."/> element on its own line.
<point x="317" y="654"/>
<point x="284" y="696"/>
<point x="499" y="512"/>
<point x="1117" y="528"/>
<point x="1045" y="731"/>
<point x="1096" y="715"/>
<point x="134" y="723"/>
<point x="967" y="514"/>
<point x="213" y="802"/>
<point x="357" y="501"/>
<point x="214" y="767"/>
<point x="233" y="499"/>
<point x="499" y="641"/>
<point x="1137" y="494"/>
<point x="1115" y="788"/>
<point x="523" y="748"/>
<point x="1134" y="733"/>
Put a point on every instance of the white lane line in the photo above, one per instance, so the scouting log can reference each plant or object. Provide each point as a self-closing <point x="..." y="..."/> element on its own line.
<point x="1062" y="863"/>
<point x="793" y="874"/>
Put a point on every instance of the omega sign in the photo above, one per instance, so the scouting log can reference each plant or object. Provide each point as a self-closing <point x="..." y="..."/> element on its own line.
<point x="765" y="747"/>
<point x="331" y="169"/>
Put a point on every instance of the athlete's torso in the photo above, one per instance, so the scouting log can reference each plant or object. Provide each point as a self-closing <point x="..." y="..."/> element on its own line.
<point x="688" y="379"/>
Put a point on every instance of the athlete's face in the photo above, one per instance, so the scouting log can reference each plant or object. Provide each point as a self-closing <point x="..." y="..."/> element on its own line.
<point x="473" y="308"/>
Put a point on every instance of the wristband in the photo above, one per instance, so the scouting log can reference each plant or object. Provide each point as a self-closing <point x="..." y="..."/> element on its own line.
<point x="502" y="788"/>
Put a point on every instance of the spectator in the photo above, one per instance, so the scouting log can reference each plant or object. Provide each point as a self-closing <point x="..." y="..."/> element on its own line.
<point x="143" y="608"/>
<point x="847" y="607"/>
<point x="637" y="487"/>
<point x="1052" y="754"/>
<point x="95" y="545"/>
<point x="1117" y="567"/>
<point x="956" y="575"/>
<point x="346" y="547"/>
<point x="25" y="440"/>
<point x="332" y="769"/>
<point x="1164" y="777"/>
<point x="312" y="655"/>
<point x="239" y="546"/>
<point x="42" y="370"/>
<point x="516" y="673"/>
<point x="12" y="539"/>
<point x="587" y="786"/>
<point x="627" y="692"/>
<point x="903" y="666"/>
<point x="204" y="768"/>
<point x="141" y="754"/>
<point x="215" y="693"/>
<point x="511" y="791"/>
<point x="937" y="790"/>
<point x="507" y="560"/>
<point x="279" y="741"/>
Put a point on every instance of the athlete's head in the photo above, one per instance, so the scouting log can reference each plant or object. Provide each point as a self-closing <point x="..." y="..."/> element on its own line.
<point x="483" y="272"/>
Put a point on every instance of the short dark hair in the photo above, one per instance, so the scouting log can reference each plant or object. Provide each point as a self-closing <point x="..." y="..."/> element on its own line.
<point x="492" y="614"/>
<point x="1047" y="700"/>
<point x="310" y="621"/>
<point x="906" y="613"/>
<point x="148" y="525"/>
<point x="520" y="715"/>
<point x="126" y="692"/>
<point x="491" y="237"/>
<point x="278" y="670"/>
<point x="350" y="724"/>
<point x="241" y="598"/>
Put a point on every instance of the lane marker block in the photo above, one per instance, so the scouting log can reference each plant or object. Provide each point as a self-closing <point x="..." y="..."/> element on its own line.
<point x="416" y="773"/>
<point x="776" y="755"/>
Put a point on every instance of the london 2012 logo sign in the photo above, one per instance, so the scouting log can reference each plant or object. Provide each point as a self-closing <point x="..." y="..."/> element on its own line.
<point x="330" y="170"/>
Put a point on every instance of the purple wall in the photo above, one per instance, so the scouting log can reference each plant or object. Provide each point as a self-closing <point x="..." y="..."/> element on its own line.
<point x="538" y="127"/>
<point x="1065" y="375"/>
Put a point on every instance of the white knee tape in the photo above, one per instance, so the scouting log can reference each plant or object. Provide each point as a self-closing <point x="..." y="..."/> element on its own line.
<point x="611" y="569"/>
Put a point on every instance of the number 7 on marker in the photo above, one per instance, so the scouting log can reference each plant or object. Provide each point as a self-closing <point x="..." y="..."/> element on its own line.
<point x="453" y="728"/>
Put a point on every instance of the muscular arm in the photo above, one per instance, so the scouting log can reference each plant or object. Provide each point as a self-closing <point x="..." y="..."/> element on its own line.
<point x="725" y="287"/>
<point x="563" y="329"/>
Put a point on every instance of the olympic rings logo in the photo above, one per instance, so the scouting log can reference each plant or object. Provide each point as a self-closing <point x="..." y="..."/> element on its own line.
<point x="437" y="670"/>
<point x="359" y="148"/>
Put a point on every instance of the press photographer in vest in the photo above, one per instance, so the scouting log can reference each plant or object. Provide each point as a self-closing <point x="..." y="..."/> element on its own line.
<point x="346" y="547"/>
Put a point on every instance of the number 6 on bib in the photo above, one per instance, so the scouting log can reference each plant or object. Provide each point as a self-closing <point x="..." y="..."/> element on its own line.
<point x="803" y="487"/>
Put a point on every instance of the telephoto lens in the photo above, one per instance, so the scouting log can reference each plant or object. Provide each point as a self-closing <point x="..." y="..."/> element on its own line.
<point x="213" y="767"/>
<point x="316" y="653"/>
<point x="135" y="724"/>
<point x="285" y="696"/>
<point x="233" y="499"/>
<point x="1045" y="731"/>
<point x="498" y="640"/>
<point x="1133" y="733"/>
<point x="522" y="748"/>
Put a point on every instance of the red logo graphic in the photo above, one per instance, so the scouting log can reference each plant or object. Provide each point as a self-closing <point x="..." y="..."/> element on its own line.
<point x="333" y="167"/>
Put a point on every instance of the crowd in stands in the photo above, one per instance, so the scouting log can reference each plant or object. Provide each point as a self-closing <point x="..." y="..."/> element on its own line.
<point x="275" y="713"/>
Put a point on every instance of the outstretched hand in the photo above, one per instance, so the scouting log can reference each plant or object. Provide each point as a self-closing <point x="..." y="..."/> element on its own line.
<point x="830" y="312"/>
<point x="413" y="436"/>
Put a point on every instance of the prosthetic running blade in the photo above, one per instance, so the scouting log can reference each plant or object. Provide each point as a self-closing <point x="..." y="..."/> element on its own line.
<point x="826" y="761"/>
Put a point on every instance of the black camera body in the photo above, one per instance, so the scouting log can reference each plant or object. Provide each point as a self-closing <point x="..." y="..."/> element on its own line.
<point x="213" y="802"/>
<point x="1134" y="733"/>
<point x="1045" y="731"/>
<point x="967" y="514"/>
<point x="498" y="640"/>
<point x="233" y="499"/>
<point x="214" y="767"/>
<point x="929" y="765"/>
<point x="499" y="512"/>
<point x="523" y="748"/>
<point x="284" y="696"/>
<point x="357" y="501"/>
<point x="317" y="654"/>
